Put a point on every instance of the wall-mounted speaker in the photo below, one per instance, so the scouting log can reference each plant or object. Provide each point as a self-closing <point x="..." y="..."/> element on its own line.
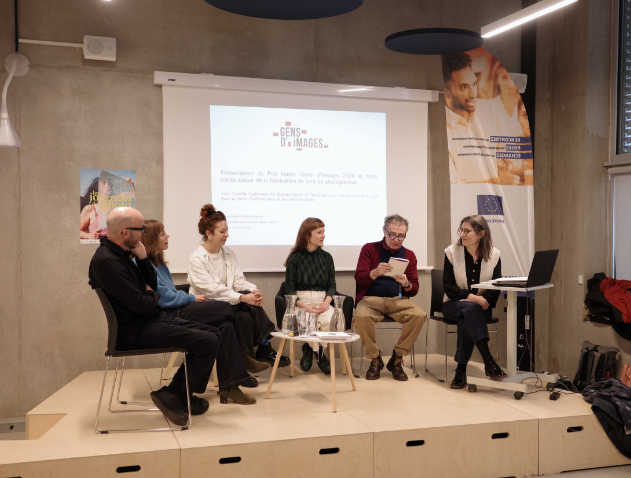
<point x="99" y="48"/>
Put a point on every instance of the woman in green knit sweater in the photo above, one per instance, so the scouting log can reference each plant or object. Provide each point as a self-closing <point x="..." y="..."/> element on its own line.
<point x="310" y="274"/>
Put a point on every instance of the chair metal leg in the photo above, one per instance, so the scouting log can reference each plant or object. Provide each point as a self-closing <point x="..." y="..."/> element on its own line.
<point x="413" y="363"/>
<point x="361" y="359"/>
<point x="497" y="349"/>
<point x="124" y="402"/>
<point x="98" y="410"/>
<point x="426" y="369"/>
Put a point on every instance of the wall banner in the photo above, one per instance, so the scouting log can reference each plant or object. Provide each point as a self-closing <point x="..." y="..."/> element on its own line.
<point x="490" y="154"/>
<point x="101" y="191"/>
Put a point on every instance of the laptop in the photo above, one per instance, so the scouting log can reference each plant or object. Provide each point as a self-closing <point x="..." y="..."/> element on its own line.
<point x="540" y="272"/>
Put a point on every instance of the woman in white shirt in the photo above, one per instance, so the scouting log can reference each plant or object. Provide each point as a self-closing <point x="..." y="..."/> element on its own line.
<point x="213" y="271"/>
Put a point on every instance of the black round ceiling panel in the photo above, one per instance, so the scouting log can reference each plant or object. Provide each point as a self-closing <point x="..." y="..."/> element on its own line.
<point x="433" y="41"/>
<point x="287" y="9"/>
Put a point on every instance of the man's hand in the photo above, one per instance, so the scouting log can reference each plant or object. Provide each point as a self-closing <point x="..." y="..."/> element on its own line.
<point x="200" y="298"/>
<point x="403" y="280"/>
<point x="382" y="268"/>
<point x="139" y="251"/>
<point x="148" y="288"/>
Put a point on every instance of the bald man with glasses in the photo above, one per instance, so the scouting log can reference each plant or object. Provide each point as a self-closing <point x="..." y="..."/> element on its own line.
<point x="378" y="295"/>
<point x="121" y="269"/>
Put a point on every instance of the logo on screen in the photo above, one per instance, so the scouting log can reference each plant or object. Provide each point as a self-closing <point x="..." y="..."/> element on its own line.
<point x="296" y="137"/>
<point x="489" y="205"/>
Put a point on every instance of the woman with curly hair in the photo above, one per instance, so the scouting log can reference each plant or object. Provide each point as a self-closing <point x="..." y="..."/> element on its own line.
<point x="214" y="272"/>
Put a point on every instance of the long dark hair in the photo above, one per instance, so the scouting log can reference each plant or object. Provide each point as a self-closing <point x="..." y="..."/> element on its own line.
<point x="478" y="223"/>
<point x="209" y="219"/>
<point x="150" y="240"/>
<point x="306" y="228"/>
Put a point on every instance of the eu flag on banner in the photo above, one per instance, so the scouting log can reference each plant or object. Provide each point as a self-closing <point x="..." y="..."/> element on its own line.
<point x="490" y="205"/>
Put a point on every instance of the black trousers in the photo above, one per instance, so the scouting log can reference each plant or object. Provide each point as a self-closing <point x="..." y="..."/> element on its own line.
<point x="230" y="367"/>
<point x="254" y="323"/>
<point x="202" y="342"/>
<point x="472" y="326"/>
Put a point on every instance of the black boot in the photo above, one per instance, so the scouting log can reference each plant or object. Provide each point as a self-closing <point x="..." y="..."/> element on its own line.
<point x="265" y="353"/>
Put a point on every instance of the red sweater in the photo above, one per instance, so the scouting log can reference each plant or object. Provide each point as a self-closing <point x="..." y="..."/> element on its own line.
<point x="369" y="260"/>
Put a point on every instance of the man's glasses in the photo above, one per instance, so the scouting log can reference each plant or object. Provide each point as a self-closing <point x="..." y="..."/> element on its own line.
<point x="394" y="236"/>
<point x="142" y="229"/>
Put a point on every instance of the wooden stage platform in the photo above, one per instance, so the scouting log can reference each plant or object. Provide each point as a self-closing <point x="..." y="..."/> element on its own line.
<point x="418" y="428"/>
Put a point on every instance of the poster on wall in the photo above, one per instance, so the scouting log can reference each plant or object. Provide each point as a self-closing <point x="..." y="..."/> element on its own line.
<point x="490" y="154"/>
<point x="101" y="191"/>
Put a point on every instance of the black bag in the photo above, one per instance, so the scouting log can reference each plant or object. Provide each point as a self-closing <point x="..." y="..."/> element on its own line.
<point x="597" y="363"/>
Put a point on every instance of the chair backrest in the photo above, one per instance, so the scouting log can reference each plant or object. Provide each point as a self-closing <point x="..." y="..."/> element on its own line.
<point x="280" y="304"/>
<point x="112" y="322"/>
<point x="438" y="292"/>
<point x="185" y="287"/>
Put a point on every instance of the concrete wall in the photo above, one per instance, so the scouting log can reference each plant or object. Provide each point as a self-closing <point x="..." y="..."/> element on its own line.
<point x="73" y="114"/>
<point x="572" y="188"/>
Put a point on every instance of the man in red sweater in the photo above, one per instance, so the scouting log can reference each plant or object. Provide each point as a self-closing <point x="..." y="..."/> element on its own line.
<point x="379" y="295"/>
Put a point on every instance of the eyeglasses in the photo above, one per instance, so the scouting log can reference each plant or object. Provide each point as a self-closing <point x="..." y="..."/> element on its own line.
<point x="464" y="231"/>
<point x="142" y="229"/>
<point x="394" y="236"/>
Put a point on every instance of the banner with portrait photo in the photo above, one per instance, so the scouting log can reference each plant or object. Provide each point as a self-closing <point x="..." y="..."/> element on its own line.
<point x="490" y="154"/>
<point x="100" y="191"/>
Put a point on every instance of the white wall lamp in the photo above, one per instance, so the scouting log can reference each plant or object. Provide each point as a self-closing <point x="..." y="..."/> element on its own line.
<point x="17" y="65"/>
<point x="522" y="16"/>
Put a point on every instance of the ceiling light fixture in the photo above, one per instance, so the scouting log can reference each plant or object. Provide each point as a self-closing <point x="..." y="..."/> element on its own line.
<point x="522" y="16"/>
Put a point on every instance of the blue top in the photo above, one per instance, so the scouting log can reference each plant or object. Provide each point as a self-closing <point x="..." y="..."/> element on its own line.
<point x="169" y="296"/>
<point x="383" y="286"/>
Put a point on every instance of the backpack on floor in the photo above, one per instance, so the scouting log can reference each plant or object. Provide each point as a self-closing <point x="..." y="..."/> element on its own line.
<point x="597" y="363"/>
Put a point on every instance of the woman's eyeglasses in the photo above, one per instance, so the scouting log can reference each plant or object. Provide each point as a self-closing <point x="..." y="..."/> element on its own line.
<point x="464" y="231"/>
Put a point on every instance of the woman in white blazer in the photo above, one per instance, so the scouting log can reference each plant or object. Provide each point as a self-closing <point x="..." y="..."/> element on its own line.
<point x="471" y="260"/>
<point x="213" y="271"/>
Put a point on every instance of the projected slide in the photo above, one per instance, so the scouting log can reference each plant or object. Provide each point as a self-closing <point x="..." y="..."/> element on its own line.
<point x="272" y="167"/>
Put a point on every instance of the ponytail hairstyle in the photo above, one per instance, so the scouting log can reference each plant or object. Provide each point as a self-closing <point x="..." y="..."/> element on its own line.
<point x="479" y="224"/>
<point x="306" y="228"/>
<point x="150" y="240"/>
<point x="209" y="219"/>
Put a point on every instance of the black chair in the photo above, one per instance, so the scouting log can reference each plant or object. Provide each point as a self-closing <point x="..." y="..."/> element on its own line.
<point x="436" y="313"/>
<point x="280" y="304"/>
<point x="387" y="323"/>
<point x="112" y="326"/>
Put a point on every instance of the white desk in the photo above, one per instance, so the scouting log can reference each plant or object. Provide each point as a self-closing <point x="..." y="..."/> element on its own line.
<point x="513" y="381"/>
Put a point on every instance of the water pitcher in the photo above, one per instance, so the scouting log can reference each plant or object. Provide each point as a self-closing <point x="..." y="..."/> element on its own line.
<point x="338" y="323"/>
<point x="289" y="319"/>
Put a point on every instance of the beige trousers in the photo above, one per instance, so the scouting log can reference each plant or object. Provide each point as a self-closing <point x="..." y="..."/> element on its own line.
<point x="315" y="297"/>
<point x="371" y="310"/>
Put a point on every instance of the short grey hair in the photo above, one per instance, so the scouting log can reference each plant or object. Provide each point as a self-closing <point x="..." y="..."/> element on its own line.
<point x="396" y="219"/>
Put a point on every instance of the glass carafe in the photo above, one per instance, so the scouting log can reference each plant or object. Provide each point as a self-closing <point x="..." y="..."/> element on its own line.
<point x="338" y="322"/>
<point x="289" y="319"/>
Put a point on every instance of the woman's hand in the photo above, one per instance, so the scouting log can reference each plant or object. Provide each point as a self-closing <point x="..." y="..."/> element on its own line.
<point x="200" y="298"/>
<point x="323" y="307"/>
<point x="252" y="299"/>
<point x="97" y="234"/>
<point x="478" y="299"/>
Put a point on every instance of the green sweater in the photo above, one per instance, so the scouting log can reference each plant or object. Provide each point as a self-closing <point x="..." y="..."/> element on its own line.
<point x="310" y="271"/>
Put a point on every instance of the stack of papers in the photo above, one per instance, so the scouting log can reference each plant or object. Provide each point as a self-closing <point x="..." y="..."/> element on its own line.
<point x="332" y="335"/>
